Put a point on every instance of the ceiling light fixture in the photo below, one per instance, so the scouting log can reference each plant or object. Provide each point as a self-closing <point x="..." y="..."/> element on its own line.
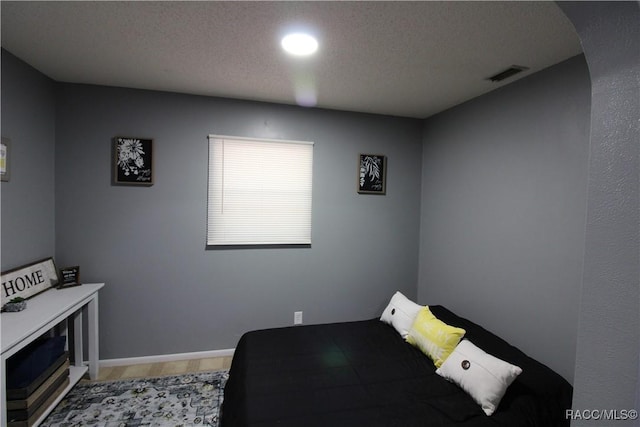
<point x="299" y="44"/>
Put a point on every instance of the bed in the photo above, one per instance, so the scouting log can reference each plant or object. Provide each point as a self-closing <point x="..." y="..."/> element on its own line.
<point x="364" y="373"/>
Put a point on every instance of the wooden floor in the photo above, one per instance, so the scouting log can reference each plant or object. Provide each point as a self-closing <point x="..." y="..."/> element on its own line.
<point x="163" y="368"/>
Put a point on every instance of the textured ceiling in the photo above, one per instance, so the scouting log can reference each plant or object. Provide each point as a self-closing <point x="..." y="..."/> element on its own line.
<point x="409" y="59"/>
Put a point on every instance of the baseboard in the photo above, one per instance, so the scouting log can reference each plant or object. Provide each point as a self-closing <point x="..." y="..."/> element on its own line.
<point x="166" y="357"/>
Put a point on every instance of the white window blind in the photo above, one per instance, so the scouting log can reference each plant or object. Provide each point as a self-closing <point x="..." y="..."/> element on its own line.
<point x="259" y="191"/>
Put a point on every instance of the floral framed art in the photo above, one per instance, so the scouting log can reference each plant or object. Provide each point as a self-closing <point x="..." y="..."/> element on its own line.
<point x="132" y="161"/>
<point x="372" y="174"/>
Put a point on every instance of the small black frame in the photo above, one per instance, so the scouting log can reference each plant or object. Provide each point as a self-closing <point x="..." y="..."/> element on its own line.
<point x="372" y="174"/>
<point x="69" y="276"/>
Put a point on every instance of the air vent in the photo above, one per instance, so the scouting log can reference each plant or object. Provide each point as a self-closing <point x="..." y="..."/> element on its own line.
<point x="511" y="71"/>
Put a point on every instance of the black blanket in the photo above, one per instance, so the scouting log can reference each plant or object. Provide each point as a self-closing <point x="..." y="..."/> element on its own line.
<point x="364" y="374"/>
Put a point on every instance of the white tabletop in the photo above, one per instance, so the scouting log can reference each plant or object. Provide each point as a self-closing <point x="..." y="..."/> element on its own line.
<point x="42" y="310"/>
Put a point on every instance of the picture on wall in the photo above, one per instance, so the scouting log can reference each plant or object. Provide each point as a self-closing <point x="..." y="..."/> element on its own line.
<point x="133" y="161"/>
<point x="5" y="147"/>
<point x="372" y="174"/>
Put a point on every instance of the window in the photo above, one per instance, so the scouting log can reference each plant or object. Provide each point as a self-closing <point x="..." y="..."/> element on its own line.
<point x="259" y="191"/>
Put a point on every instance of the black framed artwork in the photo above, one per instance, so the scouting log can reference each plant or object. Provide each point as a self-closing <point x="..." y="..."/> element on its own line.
<point x="132" y="161"/>
<point x="5" y="151"/>
<point x="372" y="174"/>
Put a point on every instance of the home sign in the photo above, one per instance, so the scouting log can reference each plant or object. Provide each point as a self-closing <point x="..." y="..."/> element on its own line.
<point x="28" y="280"/>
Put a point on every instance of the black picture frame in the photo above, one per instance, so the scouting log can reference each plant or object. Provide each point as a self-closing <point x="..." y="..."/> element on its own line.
<point x="69" y="276"/>
<point x="372" y="174"/>
<point x="5" y="159"/>
<point x="132" y="161"/>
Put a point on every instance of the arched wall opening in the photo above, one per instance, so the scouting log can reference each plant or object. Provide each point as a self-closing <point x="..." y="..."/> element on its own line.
<point x="608" y="348"/>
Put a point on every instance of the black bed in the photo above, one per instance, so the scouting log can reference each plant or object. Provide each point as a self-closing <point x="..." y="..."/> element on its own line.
<point x="364" y="374"/>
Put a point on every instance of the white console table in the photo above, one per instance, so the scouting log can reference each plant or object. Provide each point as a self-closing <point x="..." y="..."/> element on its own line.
<point x="44" y="312"/>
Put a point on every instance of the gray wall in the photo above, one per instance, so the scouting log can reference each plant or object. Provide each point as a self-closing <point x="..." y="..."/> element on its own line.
<point x="607" y="372"/>
<point x="503" y="210"/>
<point x="28" y="120"/>
<point x="164" y="292"/>
<point x="123" y="240"/>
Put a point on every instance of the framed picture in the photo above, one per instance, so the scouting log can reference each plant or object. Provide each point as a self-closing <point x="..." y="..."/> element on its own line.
<point x="372" y="174"/>
<point x="132" y="161"/>
<point x="69" y="276"/>
<point x="5" y="151"/>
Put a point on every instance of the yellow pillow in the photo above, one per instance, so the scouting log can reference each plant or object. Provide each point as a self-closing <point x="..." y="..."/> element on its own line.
<point x="433" y="337"/>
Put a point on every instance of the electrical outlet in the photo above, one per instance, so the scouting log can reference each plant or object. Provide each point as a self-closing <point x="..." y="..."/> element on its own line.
<point x="297" y="318"/>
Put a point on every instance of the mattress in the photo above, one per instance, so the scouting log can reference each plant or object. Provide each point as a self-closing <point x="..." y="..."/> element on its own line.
<point x="363" y="373"/>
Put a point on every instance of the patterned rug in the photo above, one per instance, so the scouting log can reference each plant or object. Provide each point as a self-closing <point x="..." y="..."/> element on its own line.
<point x="175" y="401"/>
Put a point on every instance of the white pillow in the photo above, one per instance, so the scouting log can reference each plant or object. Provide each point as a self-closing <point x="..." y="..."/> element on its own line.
<point x="483" y="376"/>
<point x="400" y="313"/>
